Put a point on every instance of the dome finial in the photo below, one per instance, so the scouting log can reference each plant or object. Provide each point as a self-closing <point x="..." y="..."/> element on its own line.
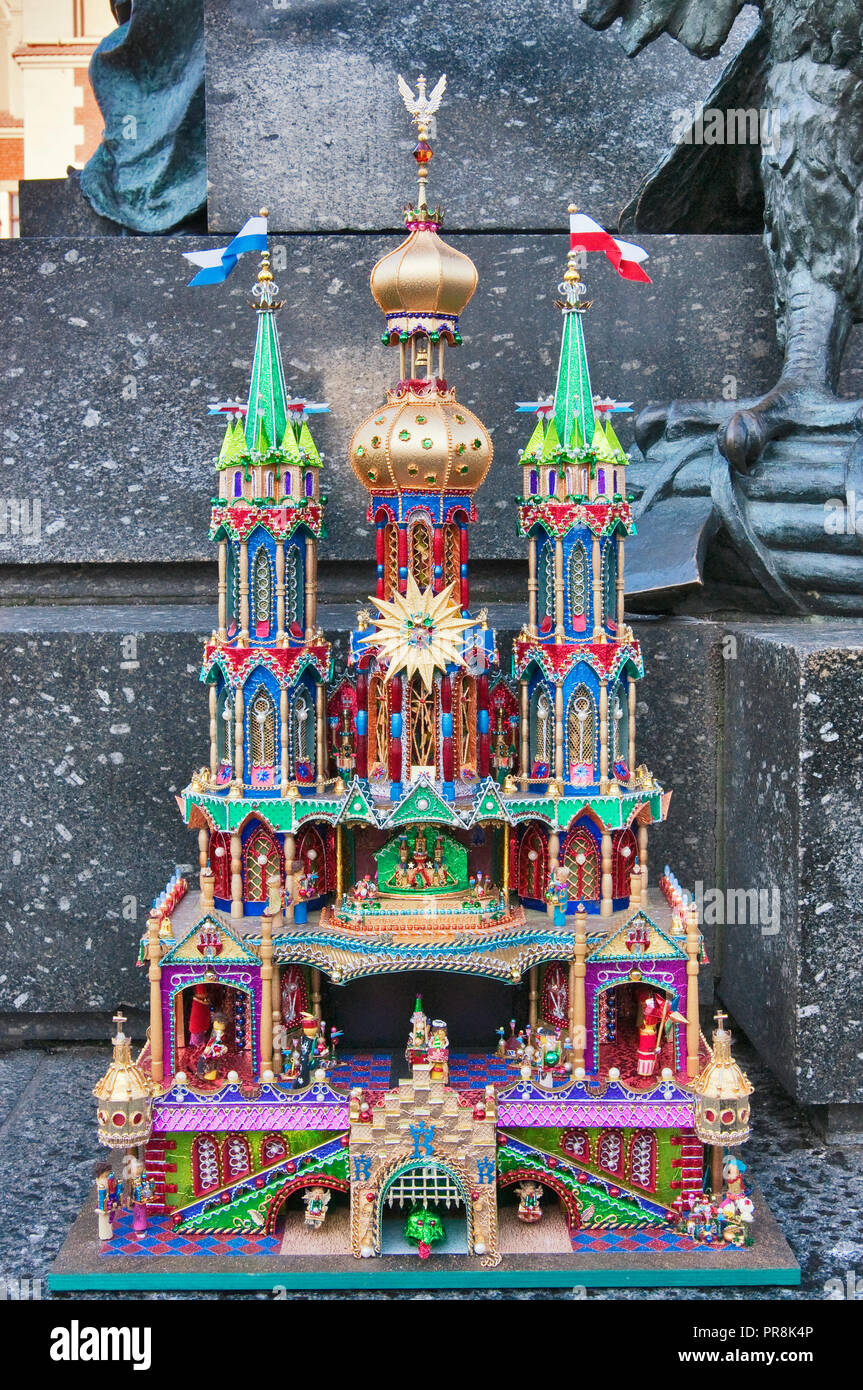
<point x="421" y="108"/>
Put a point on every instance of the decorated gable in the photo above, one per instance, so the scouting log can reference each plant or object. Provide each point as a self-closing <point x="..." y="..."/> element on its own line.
<point x="638" y="939"/>
<point x="209" y="940"/>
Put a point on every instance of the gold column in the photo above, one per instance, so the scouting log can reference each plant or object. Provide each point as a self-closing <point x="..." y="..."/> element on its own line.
<point x="505" y="867"/>
<point x="596" y="590"/>
<point x="244" y="593"/>
<point x="223" y="591"/>
<point x="558" y="731"/>
<point x="239" y="769"/>
<point x="533" y="996"/>
<point x="631" y="728"/>
<point x="577" y="1007"/>
<point x="620" y="584"/>
<point x="214" y="732"/>
<point x="558" y="590"/>
<point x="692" y="1022"/>
<point x="316" y="994"/>
<point x="236" y="875"/>
<point x="642" y="861"/>
<point x="553" y="862"/>
<point x="203" y="847"/>
<point x="290" y="857"/>
<point x="532" y="586"/>
<point x="524" y="732"/>
<point x="603" y="736"/>
<point x="340" y="865"/>
<point x="605" y="908"/>
<point x="635" y="889"/>
<point x="284" y="739"/>
<point x="311" y="587"/>
<point x="208" y="884"/>
<point x="277" y="1019"/>
<point x="154" y="955"/>
<point x="321" y="736"/>
<point x="280" y="593"/>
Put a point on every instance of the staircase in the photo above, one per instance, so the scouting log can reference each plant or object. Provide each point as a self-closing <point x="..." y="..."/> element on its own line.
<point x="157" y="1169"/>
<point x="689" y="1164"/>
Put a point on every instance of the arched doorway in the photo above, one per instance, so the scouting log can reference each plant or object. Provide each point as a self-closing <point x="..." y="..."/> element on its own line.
<point x="286" y="1217"/>
<point x="192" y="1028"/>
<point x="581" y="857"/>
<point x="424" y="1185"/>
<point x="262" y="856"/>
<point x="623" y="862"/>
<point x="560" y="1216"/>
<point x="421" y="728"/>
<point x="533" y="867"/>
<point x="620" y="1011"/>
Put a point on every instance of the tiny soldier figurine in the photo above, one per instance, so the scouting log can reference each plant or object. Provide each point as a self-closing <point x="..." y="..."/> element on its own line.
<point x="106" y="1198"/>
<point x="308" y="1049"/>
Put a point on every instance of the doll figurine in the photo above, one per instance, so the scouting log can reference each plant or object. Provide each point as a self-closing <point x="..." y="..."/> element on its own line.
<point x="216" y="1049"/>
<point x="141" y="1193"/>
<point x="106" y="1198"/>
<point x="200" y="1017"/>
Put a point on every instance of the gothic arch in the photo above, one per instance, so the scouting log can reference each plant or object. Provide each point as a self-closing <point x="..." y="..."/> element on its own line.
<point x="581" y="734"/>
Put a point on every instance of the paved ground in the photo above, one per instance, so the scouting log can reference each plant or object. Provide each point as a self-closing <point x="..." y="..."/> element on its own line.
<point x="47" y="1147"/>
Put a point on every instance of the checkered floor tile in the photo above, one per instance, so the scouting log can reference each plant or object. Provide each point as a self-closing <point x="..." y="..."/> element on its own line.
<point x="474" y="1070"/>
<point x="369" y="1069"/>
<point x="161" y="1240"/>
<point x="639" y="1242"/>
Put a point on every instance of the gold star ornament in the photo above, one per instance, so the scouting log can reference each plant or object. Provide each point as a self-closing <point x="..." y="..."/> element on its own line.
<point x="419" y="632"/>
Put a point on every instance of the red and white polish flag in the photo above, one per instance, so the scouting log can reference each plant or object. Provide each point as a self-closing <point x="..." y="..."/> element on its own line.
<point x="623" y="255"/>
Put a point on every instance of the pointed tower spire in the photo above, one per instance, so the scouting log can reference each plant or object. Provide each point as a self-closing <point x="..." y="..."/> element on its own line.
<point x="573" y="400"/>
<point x="267" y="414"/>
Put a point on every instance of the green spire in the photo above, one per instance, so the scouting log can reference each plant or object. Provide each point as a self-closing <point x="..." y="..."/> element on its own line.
<point x="613" y="442"/>
<point x="552" y="443"/>
<point x="233" y="445"/>
<point x="308" y="445"/>
<point x="533" y="448"/>
<point x="267" y="392"/>
<point x="573" y="399"/>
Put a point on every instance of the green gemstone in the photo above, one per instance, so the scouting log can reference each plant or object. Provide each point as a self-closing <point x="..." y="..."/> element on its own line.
<point x="477" y="444"/>
<point x="376" y="441"/>
<point x="421" y="419"/>
<point x="427" y="443"/>
<point x="460" y="419"/>
<point x="360" y="451"/>
<point x="404" y="436"/>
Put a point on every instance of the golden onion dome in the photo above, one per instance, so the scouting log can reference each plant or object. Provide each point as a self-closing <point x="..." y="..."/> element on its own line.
<point x="124" y="1095"/>
<point x="429" y="443"/>
<point x="423" y="277"/>
<point x="722" y="1090"/>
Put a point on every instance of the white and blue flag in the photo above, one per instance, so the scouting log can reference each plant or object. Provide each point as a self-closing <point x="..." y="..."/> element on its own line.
<point x="217" y="264"/>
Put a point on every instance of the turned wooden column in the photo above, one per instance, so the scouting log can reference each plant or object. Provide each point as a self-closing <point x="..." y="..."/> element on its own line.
<point x="559" y="634"/>
<point x="642" y="862"/>
<point x="203" y="847"/>
<point x="533" y="996"/>
<point x="635" y="889"/>
<point x="532" y="586"/>
<point x="524" y="733"/>
<point x="244" y="593"/>
<point x="266" y="1020"/>
<point x="311" y="587"/>
<point x="693" y="1027"/>
<point x="208" y="889"/>
<point x="619" y="584"/>
<point x="505" y="866"/>
<point x="340" y="861"/>
<point x="276" y="1002"/>
<point x="316" y="993"/>
<point x="154" y="955"/>
<point x="223" y="591"/>
<point x="280" y="593"/>
<point x="214" y="732"/>
<point x="236" y="875"/>
<point x="577" y="972"/>
<point x="290" y="859"/>
<point x="605" y="905"/>
<point x="596" y="589"/>
<point x="553" y="862"/>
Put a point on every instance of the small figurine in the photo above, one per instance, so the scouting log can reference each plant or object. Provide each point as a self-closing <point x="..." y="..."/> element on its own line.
<point x="308" y="1049"/>
<point x="200" y="1017"/>
<point x="424" y="1229"/>
<point x="438" y="1051"/>
<point x="529" y="1199"/>
<point x="142" y="1191"/>
<point x="346" y="748"/>
<point x="107" y="1199"/>
<point x="210" y="1061"/>
<point x="316" y="1200"/>
<point x="557" y="894"/>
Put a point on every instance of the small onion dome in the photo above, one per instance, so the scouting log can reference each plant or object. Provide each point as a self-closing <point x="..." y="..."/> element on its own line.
<point x="124" y="1098"/>
<point x="424" y="443"/>
<point x="722" y="1092"/>
<point x="424" y="276"/>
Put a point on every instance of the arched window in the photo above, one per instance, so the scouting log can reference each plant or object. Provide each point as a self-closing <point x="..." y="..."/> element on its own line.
<point x="642" y="1160"/>
<point x="233" y="594"/>
<point x="552" y="482"/>
<point x="625" y="852"/>
<point x="304" y="736"/>
<point x="268" y="483"/>
<point x="206" y="1174"/>
<point x="609" y="583"/>
<point x="581" y="857"/>
<point x="618" y="725"/>
<point x="545" y="576"/>
<point x="238" y="483"/>
<point x="225" y="726"/>
<point x="294" y="598"/>
<point x="295" y="999"/>
<point x="420" y="552"/>
<point x="554" y="1003"/>
<point x="451" y="554"/>
<point x="610" y="1154"/>
<point x="600" y="482"/>
<point x="274" y="1147"/>
<point x="534" y="482"/>
<point x="581" y="736"/>
<point x="220" y="863"/>
<point x="465" y="707"/>
<point x="310" y="484"/>
<point x="541" y="722"/>
<point x="312" y="850"/>
<point x="262" y="729"/>
<point x="532" y="865"/>
<point x="578" y="587"/>
<point x="391" y="558"/>
<point x="262" y="591"/>
<point x="576" y="1143"/>
<point x="421" y="714"/>
<point x="379" y="720"/>
<point x="260" y="846"/>
<point x="236" y="1158"/>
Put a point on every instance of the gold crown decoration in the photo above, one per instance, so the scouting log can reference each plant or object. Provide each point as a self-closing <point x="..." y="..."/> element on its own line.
<point x="124" y="1096"/>
<point x="421" y="442"/>
<point x="722" y="1090"/>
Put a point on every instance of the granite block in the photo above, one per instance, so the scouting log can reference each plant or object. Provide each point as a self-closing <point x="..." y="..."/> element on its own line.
<point x="793" y="774"/>
<point x="304" y="114"/>
<point x="110" y="363"/>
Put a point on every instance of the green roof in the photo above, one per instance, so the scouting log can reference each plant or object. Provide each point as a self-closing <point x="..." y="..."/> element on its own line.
<point x="573" y="399"/>
<point x="267" y="415"/>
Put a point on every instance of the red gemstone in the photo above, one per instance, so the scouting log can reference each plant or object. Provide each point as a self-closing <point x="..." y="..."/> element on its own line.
<point x="423" y="153"/>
